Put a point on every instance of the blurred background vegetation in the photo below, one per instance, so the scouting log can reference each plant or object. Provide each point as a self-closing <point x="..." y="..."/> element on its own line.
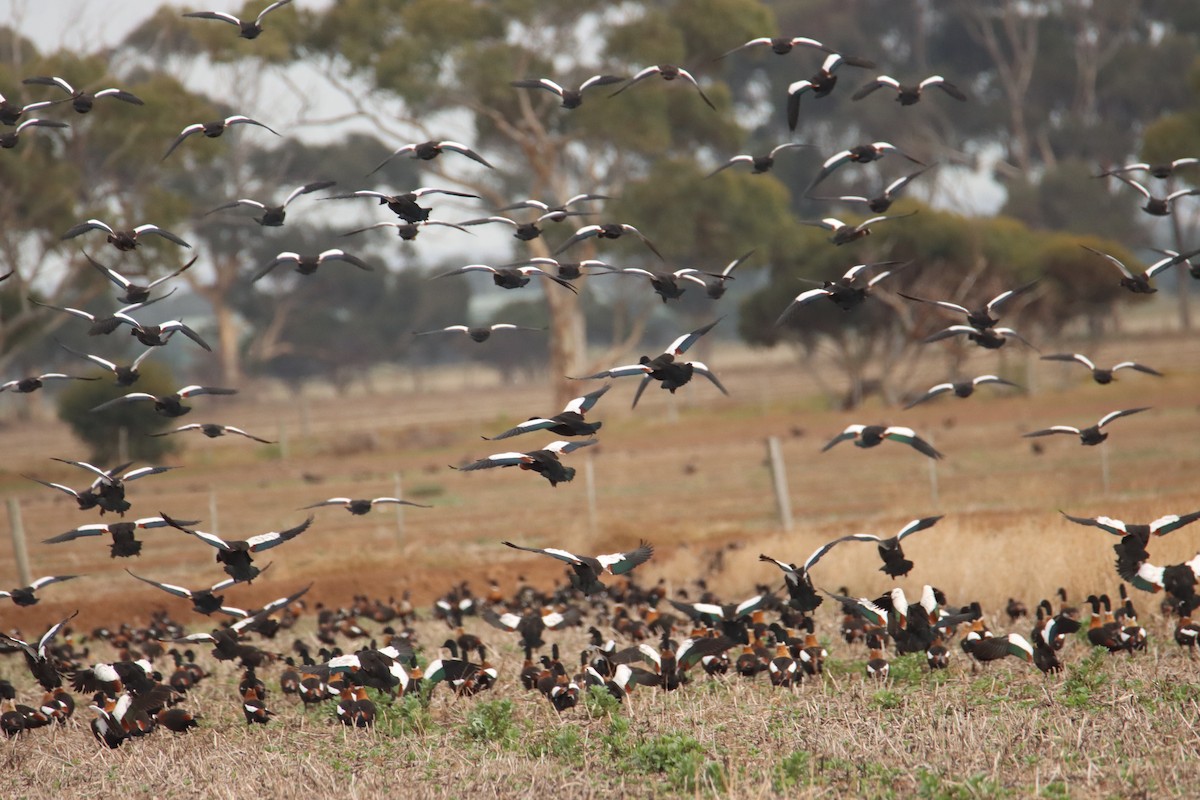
<point x="1058" y="91"/>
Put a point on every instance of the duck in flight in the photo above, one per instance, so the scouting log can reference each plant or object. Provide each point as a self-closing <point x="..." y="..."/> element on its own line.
<point x="1094" y="434"/>
<point x="667" y="284"/>
<point x="586" y="570"/>
<point x="123" y="240"/>
<point x="124" y="544"/>
<point x="611" y="230"/>
<point x="759" y="164"/>
<point x="9" y="139"/>
<point x="510" y="277"/>
<point x="987" y="338"/>
<point x="872" y="435"/>
<point x="1139" y="283"/>
<point x="248" y="29"/>
<point x="895" y="564"/>
<point x="102" y="326"/>
<point x="959" y="388"/>
<point x="568" y="422"/>
<point x="909" y="94"/>
<point x="478" y="333"/>
<point x="35" y="382"/>
<point x="545" y="461"/>
<point x="844" y="233"/>
<point x="360" y="507"/>
<point x="135" y="293"/>
<point x="213" y="129"/>
<point x="273" y="216"/>
<point x="212" y="431"/>
<point x="559" y="212"/>
<point x="980" y="317"/>
<point x="158" y="335"/>
<point x="567" y="270"/>
<point x="83" y="101"/>
<point x="667" y="368"/>
<point x="1162" y="171"/>
<point x="107" y="490"/>
<point x="1165" y="524"/>
<point x="427" y="151"/>
<point x="847" y="292"/>
<point x="408" y="231"/>
<point x="11" y="113"/>
<point x="668" y="72"/>
<point x="522" y="231"/>
<point x="404" y="205"/>
<point x="307" y="264"/>
<point x="780" y="45"/>
<point x="859" y="154"/>
<point x="716" y="289"/>
<point x="204" y="601"/>
<point x="169" y="405"/>
<point x="880" y="203"/>
<point x="1157" y="206"/>
<point x="24" y="595"/>
<point x="820" y="84"/>
<point x="236" y="554"/>
<point x="571" y="98"/>
<point x="804" y="597"/>
<point x="1099" y="375"/>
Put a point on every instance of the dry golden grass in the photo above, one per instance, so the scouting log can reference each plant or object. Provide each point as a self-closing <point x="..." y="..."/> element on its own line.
<point x="690" y="475"/>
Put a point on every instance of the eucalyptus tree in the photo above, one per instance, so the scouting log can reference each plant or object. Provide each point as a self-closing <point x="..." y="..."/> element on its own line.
<point x="421" y="70"/>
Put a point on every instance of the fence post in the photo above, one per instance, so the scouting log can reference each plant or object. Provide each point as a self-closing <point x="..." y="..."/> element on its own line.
<point x="589" y="481"/>
<point x="122" y="444"/>
<point x="1104" y="474"/>
<point x="779" y="479"/>
<point x="18" y="542"/>
<point x="283" y="441"/>
<point x="213" y="524"/>
<point x="934" y="495"/>
<point x="304" y="431"/>
<point x="399" y="510"/>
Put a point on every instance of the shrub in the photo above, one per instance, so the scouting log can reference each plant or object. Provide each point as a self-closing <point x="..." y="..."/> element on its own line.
<point x="101" y="429"/>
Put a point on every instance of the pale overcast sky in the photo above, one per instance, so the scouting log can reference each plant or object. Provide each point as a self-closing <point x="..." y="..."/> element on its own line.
<point x="83" y="24"/>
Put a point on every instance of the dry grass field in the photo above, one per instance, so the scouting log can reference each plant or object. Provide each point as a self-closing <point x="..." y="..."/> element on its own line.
<point x="691" y="475"/>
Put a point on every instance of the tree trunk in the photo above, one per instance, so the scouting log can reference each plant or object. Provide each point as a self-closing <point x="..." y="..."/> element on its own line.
<point x="568" y="342"/>
<point x="1182" y="278"/>
<point x="227" y="344"/>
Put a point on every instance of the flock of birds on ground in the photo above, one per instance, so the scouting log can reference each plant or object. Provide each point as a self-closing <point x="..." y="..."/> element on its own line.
<point x="668" y="640"/>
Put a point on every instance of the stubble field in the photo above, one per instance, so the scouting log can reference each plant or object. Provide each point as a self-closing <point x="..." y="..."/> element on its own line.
<point x="692" y="477"/>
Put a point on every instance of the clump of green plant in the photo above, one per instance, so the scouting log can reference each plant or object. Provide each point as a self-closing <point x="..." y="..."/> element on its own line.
<point x="599" y="702"/>
<point x="616" y="741"/>
<point x="492" y="721"/>
<point x="564" y="744"/>
<point x="1056" y="790"/>
<point x="679" y="758"/>
<point x="909" y="668"/>
<point x="793" y="771"/>
<point x="887" y="699"/>
<point x="1085" y="679"/>
<point x="408" y="715"/>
